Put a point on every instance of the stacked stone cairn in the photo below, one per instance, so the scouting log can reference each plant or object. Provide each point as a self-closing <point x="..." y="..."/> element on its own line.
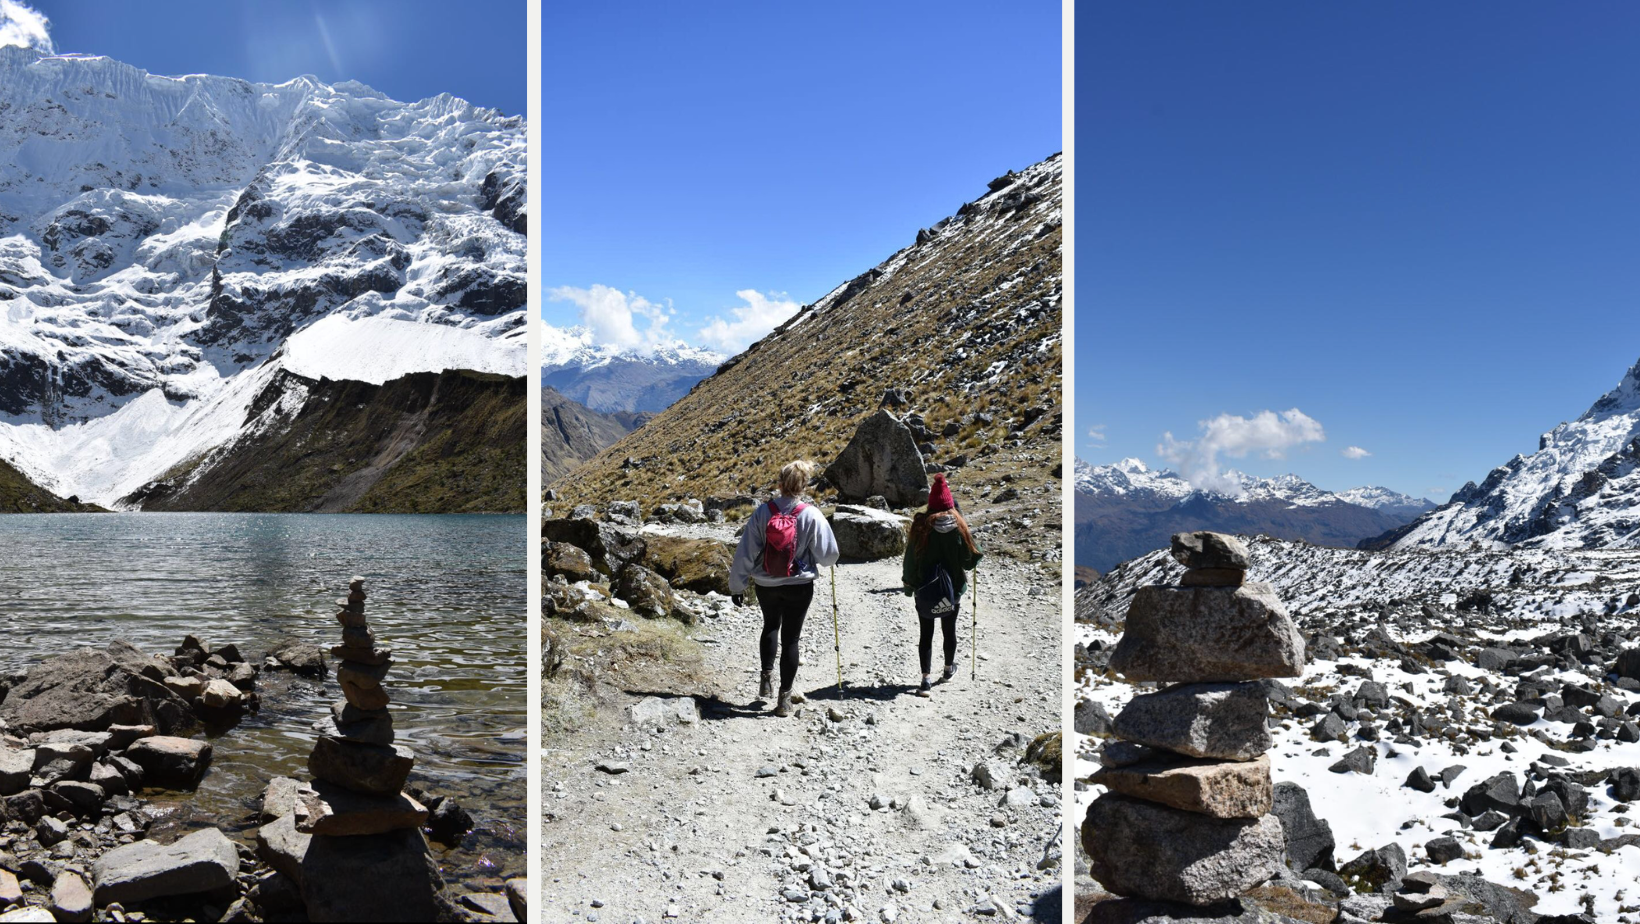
<point x="1187" y="812"/>
<point x="358" y="772"/>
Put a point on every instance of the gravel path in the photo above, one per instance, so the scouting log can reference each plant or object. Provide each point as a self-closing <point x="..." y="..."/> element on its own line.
<point x="742" y="816"/>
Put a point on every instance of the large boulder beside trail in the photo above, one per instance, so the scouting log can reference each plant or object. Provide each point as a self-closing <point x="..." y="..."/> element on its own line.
<point x="94" y="688"/>
<point x="700" y="565"/>
<point x="611" y="546"/>
<point x="882" y="458"/>
<point x="868" y="534"/>
<point x="648" y="594"/>
<point x="572" y="562"/>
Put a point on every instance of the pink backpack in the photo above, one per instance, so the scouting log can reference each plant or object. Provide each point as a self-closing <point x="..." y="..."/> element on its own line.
<point x="780" y="542"/>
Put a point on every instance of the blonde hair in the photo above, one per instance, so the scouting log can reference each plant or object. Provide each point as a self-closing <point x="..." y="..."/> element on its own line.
<point x="794" y="477"/>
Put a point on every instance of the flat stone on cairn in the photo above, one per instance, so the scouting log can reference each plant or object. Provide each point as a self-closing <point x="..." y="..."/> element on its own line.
<point x="1187" y="812"/>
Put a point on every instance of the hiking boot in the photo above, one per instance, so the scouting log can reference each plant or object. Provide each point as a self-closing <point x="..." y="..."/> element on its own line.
<point x="925" y="688"/>
<point x="784" y="707"/>
<point x="765" y="688"/>
<point x="950" y="671"/>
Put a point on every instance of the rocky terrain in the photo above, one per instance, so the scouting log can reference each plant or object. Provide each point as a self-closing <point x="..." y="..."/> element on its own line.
<point x="1579" y="490"/>
<point x="608" y="380"/>
<point x="1126" y="509"/>
<point x="179" y="254"/>
<point x="1464" y="743"/>
<point x="959" y="334"/>
<point x="572" y="433"/>
<point x="99" y="754"/>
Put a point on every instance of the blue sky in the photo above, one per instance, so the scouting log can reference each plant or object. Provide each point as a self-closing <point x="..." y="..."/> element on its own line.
<point x="408" y="49"/>
<point x="1415" y="223"/>
<point x="700" y="151"/>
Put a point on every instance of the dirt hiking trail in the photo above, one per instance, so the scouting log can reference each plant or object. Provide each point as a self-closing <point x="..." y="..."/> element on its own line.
<point x="701" y="805"/>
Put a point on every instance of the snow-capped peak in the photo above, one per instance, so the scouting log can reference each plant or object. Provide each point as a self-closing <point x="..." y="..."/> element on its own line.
<point x="1132" y="475"/>
<point x="574" y="347"/>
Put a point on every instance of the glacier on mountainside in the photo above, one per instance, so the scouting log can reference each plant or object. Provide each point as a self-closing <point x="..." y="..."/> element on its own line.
<point x="168" y="243"/>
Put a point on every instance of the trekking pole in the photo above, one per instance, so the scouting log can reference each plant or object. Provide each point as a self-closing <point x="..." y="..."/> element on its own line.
<point x="836" y="633"/>
<point x="973" y="633"/>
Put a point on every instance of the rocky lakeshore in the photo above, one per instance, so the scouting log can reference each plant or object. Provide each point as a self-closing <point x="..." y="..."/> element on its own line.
<point x="101" y="754"/>
<point x="1462" y="745"/>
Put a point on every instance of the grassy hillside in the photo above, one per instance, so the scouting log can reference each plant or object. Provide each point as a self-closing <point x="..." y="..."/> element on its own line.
<point x="20" y="495"/>
<point x="966" y="321"/>
<point x="450" y="442"/>
<point x="572" y="434"/>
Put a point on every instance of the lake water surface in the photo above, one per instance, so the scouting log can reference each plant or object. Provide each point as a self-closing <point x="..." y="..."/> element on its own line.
<point x="446" y="593"/>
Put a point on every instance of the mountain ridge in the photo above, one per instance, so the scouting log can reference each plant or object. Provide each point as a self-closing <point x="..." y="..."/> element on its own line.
<point x="162" y="240"/>
<point x="1126" y="509"/>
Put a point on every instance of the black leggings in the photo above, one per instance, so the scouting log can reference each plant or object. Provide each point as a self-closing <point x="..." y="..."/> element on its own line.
<point x="925" y="640"/>
<point x="783" y="610"/>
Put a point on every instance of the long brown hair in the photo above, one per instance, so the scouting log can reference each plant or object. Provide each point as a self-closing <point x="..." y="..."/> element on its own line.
<point x="922" y="525"/>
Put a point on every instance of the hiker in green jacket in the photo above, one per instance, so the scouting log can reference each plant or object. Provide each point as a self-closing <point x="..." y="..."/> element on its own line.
<point x="938" y="553"/>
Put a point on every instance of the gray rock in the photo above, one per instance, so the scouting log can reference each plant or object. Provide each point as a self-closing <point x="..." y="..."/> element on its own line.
<point x="1309" y="839"/>
<point x="91" y="689"/>
<point x="647" y="593"/>
<point x="367" y="768"/>
<point x="1205" y="549"/>
<point x="1360" y="760"/>
<point x="1194" y="634"/>
<point x="71" y="897"/>
<point x="176" y="763"/>
<point x="1443" y="850"/>
<point x="298" y="657"/>
<point x="1220" y="720"/>
<point x="1092" y="719"/>
<point x="881" y="458"/>
<point x="1150" y="851"/>
<point x="283" y="847"/>
<point x="16" y="767"/>
<point x="405" y="884"/>
<point x="664" y="710"/>
<point x="864" y="534"/>
<point x="201" y="862"/>
<point x="1378" y="870"/>
<point x="611" y="546"/>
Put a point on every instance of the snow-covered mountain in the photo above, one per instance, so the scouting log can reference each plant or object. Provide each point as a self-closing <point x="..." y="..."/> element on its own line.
<point x="1579" y="490"/>
<point x="169" y="246"/>
<point x="1126" y="509"/>
<point x="611" y="380"/>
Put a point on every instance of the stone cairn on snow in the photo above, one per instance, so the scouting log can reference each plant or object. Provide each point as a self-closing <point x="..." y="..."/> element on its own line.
<point x="358" y="772"/>
<point x="1187" y="813"/>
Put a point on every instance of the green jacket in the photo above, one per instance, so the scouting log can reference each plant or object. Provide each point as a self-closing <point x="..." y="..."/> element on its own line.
<point x="946" y="549"/>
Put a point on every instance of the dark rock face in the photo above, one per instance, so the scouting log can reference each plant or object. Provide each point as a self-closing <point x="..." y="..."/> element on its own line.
<point x="1309" y="839"/>
<point x="405" y="884"/>
<point x="881" y="459"/>
<point x="1378" y="870"/>
<point x="92" y="689"/>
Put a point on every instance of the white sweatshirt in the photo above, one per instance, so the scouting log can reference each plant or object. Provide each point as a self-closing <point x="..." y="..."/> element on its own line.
<point x="816" y="548"/>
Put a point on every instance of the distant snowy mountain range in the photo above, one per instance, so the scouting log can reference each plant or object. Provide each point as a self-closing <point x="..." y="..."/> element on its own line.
<point x="182" y="259"/>
<point x="1127" y="509"/>
<point x="611" y="380"/>
<point x="1579" y="490"/>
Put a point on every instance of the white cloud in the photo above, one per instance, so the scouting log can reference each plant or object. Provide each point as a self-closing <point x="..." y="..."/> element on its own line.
<point x="1267" y="433"/>
<point x="1096" y="434"/>
<point x="25" y="26"/>
<point x="1354" y="452"/>
<point x="752" y="321"/>
<point x="611" y="315"/>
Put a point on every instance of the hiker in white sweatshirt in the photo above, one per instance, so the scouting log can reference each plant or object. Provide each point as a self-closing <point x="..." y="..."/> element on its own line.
<point x="785" y="545"/>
